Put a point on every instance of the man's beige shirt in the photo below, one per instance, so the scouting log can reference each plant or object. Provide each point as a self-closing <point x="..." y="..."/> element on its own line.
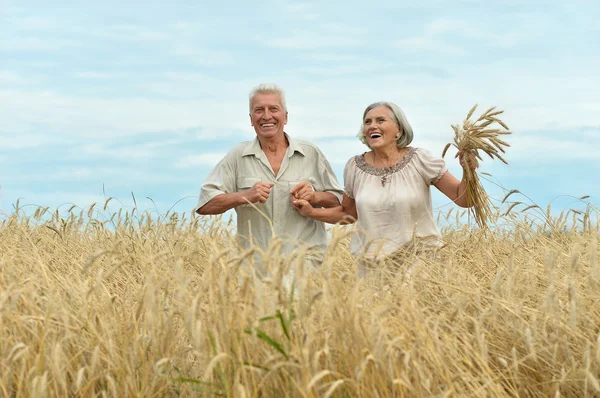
<point x="247" y="164"/>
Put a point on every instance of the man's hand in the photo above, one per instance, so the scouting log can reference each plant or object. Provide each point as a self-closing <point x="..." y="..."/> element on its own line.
<point x="303" y="191"/>
<point x="258" y="193"/>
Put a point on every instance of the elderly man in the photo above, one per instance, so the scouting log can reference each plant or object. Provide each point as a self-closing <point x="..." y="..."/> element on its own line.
<point x="260" y="178"/>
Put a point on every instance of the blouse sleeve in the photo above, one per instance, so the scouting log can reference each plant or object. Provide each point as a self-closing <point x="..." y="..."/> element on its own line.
<point x="349" y="174"/>
<point x="430" y="167"/>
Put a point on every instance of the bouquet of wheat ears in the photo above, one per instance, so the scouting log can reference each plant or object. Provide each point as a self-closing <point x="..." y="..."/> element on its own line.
<point x="470" y="139"/>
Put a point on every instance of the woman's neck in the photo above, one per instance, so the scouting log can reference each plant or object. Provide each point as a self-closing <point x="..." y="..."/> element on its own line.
<point x="386" y="157"/>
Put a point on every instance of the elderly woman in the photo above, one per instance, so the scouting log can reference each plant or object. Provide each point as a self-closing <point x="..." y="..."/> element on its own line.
<point x="387" y="191"/>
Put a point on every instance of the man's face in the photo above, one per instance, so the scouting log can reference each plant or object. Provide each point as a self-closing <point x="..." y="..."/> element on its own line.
<point x="267" y="115"/>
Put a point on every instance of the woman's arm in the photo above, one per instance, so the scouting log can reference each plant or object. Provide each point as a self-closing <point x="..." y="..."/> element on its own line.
<point x="306" y="191"/>
<point x="343" y="214"/>
<point x="454" y="189"/>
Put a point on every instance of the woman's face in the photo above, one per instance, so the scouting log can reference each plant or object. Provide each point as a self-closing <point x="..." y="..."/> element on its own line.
<point x="379" y="128"/>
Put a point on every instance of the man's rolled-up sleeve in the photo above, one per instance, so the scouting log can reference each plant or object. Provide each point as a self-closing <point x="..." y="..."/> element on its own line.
<point x="219" y="181"/>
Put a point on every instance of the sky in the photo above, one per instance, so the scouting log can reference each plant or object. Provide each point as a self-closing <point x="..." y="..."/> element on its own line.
<point x="113" y="98"/>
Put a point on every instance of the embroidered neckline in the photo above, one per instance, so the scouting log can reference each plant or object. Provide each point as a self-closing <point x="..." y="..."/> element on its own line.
<point x="384" y="171"/>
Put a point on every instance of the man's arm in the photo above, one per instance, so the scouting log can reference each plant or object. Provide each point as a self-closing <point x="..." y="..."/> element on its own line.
<point x="226" y="201"/>
<point x="221" y="203"/>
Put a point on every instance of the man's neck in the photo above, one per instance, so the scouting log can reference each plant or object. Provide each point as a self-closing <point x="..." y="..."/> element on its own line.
<point x="274" y="145"/>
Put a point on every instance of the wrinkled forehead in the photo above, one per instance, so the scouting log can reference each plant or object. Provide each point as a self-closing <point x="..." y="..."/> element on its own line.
<point x="381" y="110"/>
<point x="266" y="100"/>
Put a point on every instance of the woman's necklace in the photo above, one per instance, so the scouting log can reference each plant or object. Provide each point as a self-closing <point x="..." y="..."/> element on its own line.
<point x="384" y="177"/>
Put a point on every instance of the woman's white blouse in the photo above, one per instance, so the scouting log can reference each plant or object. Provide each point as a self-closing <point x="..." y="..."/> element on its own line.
<point x="397" y="212"/>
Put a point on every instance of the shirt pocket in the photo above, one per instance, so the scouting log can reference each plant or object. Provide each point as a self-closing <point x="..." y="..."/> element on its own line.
<point x="290" y="184"/>
<point x="245" y="183"/>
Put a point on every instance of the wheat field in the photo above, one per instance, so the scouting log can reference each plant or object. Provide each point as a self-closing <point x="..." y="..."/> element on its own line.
<point x="100" y="303"/>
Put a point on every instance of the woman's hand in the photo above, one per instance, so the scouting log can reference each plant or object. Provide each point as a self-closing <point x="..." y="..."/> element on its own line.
<point x="344" y="213"/>
<point x="303" y="206"/>
<point x="467" y="161"/>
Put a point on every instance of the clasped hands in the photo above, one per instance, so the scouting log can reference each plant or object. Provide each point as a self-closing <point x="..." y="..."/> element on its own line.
<point x="301" y="194"/>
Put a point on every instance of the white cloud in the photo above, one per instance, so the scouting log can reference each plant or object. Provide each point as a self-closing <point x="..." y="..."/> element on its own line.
<point x="202" y="83"/>
<point x="188" y="27"/>
<point x="7" y="77"/>
<point x="29" y="44"/>
<point x="555" y="146"/>
<point x="309" y="39"/>
<point x="119" y="152"/>
<point x="297" y="10"/>
<point x="444" y="25"/>
<point x="131" y="33"/>
<point x="34" y="23"/>
<point x="203" y="159"/>
<point x="64" y="199"/>
<point x="91" y="117"/>
<point x="76" y="173"/>
<point x="337" y="70"/>
<point x="478" y="37"/>
<point x="152" y="147"/>
<point x="204" y="56"/>
<point x="427" y="44"/>
<point x="10" y="140"/>
<point x="328" y="57"/>
<point x="117" y="176"/>
<point x="315" y="109"/>
<point x="89" y="75"/>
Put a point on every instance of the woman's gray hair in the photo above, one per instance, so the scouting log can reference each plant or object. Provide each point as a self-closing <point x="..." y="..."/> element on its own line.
<point x="406" y="132"/>
<point x="267" y="88"/>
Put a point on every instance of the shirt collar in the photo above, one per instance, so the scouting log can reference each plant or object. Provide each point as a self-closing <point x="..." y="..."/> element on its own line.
<point x="254" y="147"/>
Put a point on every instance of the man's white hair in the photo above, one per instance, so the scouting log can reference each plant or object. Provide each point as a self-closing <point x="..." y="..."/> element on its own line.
<point x="267" y="88"/>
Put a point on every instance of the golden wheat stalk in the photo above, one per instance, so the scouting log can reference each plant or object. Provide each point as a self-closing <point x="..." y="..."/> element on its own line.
<point x="470" y="138"/>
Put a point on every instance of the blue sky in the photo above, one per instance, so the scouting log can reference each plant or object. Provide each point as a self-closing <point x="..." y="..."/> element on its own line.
<point x="146" y="97"/>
